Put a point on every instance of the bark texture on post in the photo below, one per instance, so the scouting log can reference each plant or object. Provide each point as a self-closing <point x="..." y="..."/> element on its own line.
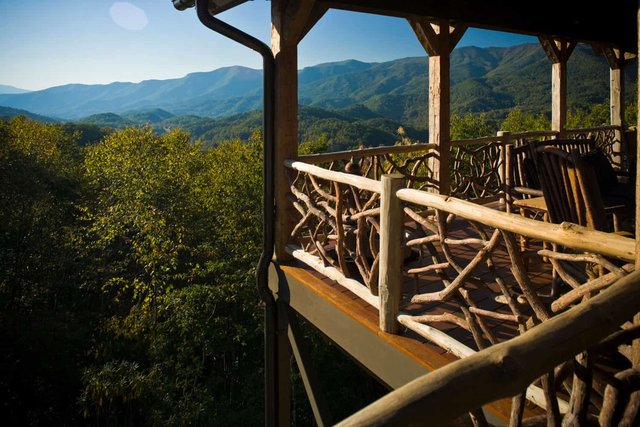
<point x="617" y="62"/>
<point x="438" y="39"/>
<point x="558" y="51"/>
<point x="290" y="22"/>
<point x="391" y="236"/>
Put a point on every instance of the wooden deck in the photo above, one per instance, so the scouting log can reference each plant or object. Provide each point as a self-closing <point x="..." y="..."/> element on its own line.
<point x="397" y="359"/>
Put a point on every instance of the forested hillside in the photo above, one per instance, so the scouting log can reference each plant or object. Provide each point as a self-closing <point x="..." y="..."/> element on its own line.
<point x="483" y="80"/>
<point x="127" y="282"/>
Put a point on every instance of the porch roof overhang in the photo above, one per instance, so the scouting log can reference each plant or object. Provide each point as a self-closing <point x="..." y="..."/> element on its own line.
<point x="611" y="23"/>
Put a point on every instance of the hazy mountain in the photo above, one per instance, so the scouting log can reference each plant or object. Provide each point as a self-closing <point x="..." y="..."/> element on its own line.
<point x="11" y="89"/>
<point x="344" y="128"/>
<point x="8" y="112"/>
<point x="482" y="79"/>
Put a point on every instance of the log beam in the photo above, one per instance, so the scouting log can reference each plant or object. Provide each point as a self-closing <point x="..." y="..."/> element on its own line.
<point x="636" y="344"/>
<point x="439" y="38"/>
<point x="290" y="22"/>
<point x="558" y="51"/>
<point x="391" y="236"/>
<point x="617" y="61"/>
<point x="504" y="369"/>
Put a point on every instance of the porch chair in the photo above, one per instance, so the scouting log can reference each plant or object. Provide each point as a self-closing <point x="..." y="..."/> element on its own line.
<point x="522" y="181"/>
<point x="572" y="190"/>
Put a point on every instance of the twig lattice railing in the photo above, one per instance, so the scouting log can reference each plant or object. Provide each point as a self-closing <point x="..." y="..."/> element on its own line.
<point x="458" y="277"/>
<point x="411" y="161"/>
<point x="477" y="168"/>
<point x="480" y="297"/>
<point x="463" y="304"/>
<point x="609" y="139"/>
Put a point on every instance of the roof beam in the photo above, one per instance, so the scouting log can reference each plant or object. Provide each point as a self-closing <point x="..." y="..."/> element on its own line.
<point x="611" y="23"/>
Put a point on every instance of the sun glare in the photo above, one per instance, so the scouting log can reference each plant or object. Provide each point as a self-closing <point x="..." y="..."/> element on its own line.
<point x="128" y="16"/>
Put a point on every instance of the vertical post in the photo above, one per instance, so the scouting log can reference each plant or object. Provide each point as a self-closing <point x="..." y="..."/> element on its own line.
<point x="439" y="103"/>
<point x="438" y="39"/>
<point x="285" y="52"/>
<point x="635" y="360"/>
<point x="558" y="51"/>
<point x="290" y="22"/>
<point x="616" y="101"/>
<point x="617" y="62"/>
<point x="559" y="97"/>
<point x="505" y="168"/>
<point x="282" y="416"/>
<point x="616" y="95"/>
<point x="391" y="237"/>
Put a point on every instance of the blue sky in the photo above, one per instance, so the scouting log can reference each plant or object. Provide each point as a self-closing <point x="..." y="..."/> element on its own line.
<point x="46" y="43"/>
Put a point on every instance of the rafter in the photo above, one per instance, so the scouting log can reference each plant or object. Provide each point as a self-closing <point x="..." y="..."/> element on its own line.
<point x="294" y="19"/>
<point x="432" y="36"/>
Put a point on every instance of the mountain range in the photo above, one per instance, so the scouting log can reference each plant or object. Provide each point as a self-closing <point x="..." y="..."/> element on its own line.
<point x="482" y="79"/>
<point x="373" y="96"/>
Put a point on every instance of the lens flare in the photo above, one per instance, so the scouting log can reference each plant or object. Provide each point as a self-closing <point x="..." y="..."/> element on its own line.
<point x="128" y="16"/>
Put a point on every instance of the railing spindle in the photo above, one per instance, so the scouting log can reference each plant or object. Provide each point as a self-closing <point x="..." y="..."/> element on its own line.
<point x="391" y="236"/>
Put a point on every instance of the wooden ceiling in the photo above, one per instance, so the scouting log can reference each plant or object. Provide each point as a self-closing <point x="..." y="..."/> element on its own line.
<point x="611" y="22"/>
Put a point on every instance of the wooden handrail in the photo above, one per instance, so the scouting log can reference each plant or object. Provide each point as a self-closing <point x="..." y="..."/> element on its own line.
<point x="396" y="149"/>
<point x="593" y="129"/>
<point x="507" y="368"/>
<point x="340" y="177"/>
<point x="565" y="234"/>
<point x="365" y="152"/>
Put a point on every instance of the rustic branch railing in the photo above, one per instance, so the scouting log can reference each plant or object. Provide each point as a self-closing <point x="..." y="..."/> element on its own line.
<point x="609" y="139"/>
<point x="412" y="161"/>
<point x="505" y="370"/>
<point x="450" y="270"/>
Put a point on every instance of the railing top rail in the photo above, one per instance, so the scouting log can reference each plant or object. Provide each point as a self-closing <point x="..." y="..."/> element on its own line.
<point x="565" y="234"/>
<point x="365" y="152"/>
<point x="594" y="129"/>
<point x="506" y="368"/>
<point x="340" y="177"/>
<point x="532" y="134"/>
<point x="471" y="141"/>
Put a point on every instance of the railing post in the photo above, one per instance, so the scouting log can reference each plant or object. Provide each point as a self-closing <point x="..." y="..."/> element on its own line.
<point x="391" y="237"/>
<point x="504" y="167"/>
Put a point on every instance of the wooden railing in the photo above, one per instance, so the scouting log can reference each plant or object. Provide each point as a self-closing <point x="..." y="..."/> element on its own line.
<point x="376" y="237"/>
<point x="609" y="139"/>
<point x="584" y="332"/>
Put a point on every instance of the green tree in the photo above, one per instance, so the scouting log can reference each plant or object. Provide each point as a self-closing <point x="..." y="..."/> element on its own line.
<point x="469" y="126"/>
<point x="521" y="121"/>
<point x="175" y="230"/>
<point x="45" y="314"/>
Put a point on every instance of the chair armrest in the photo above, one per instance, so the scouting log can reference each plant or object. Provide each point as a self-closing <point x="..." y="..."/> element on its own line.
<point x="528" y="191"/>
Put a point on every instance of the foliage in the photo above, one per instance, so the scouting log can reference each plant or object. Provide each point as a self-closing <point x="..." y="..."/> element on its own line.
<point x="469" y="126"/>
<point x="314" y="146"/>
<point x="520" y="121"/>
<point x="176" y="230"/>
<point x="44" y="323"/>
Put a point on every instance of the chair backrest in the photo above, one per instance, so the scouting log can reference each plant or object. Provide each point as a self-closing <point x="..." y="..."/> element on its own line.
<point x="521" y="166"/>
<point x="582" y="146"/>
<point x="570" y="188"/>
<point x="522" y="170"/>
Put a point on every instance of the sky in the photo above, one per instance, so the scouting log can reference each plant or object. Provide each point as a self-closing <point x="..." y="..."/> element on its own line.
<point x="45" y="43"/>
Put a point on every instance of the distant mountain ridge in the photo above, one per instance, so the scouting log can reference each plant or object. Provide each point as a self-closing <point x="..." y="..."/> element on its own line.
<point x="11" y="89"/>
<point x="482" y="79"/>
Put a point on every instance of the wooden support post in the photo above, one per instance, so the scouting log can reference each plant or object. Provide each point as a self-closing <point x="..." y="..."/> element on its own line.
<point x="636" y="344"/>
<point x="315" y="395"/>
<point x="504" y="167"/>
<point x="290" y="22"/>
<point x="439" y="38"/>
<point x="282" y="415"/>
<point x="558" y="51"/>
<point x="617" y="62"/>
<point x="391" y="236"/>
